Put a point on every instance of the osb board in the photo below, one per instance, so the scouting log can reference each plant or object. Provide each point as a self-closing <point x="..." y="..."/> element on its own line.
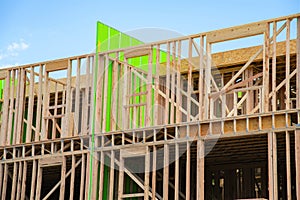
<point x="193" y="131"/>
<point x="240" y="56"/>
<point x="216" y="129"/>
<point x="280" y="121"/>
<point x="50" y="161"/>
<point x="228" y="127"/>
<point x="254" y="124"/>
<point x="241" y="125"/>
<point x="133" y="152"/>
<point x="232" y="57"/>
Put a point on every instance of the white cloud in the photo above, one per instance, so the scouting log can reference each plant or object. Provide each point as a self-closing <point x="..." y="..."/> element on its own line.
<point x="13" y="50"/>
<point x="17" y="46"/>
<point x="2" y="55"/>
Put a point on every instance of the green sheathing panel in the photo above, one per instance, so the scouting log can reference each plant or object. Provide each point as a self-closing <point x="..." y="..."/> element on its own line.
<point x="108" y="38"/>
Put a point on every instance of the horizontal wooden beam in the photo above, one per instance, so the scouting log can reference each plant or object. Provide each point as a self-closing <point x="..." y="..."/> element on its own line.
<point x="236" y="32"/>
<point x="57" y="65"/>
<point x="137" y="52"/>
<point x="50" y="161"/>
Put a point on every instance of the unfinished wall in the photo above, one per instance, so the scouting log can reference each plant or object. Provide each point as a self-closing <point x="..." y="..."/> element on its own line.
<point x="88" y="117"/>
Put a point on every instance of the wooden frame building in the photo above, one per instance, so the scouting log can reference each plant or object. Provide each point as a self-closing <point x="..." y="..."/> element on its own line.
<point x="184" y="122"/>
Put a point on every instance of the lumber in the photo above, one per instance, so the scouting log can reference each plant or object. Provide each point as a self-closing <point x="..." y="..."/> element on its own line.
<point x="115" y="84"/>
<point x="30" y="106"/>
<point x="86" y="104"/>
<point x="11" y="108"/>
<point x="200" y="169"/>
<point x="4" y="186"/>
<point x="297" y="161"/>
<point x="178" y="85"/>
<point x="57" y="65"/>
<point x="287" y="65"/>
<point x="288" y="165"/>
<point x="60" y="182"/>
<point x="166" y="172"/>
<point x="33" y="180"/>
<point x="16" y="111"/>
<point x="188" y="171"/>
<point x="63" y="179"/>
<point x="149" y="89"/>
<point x="176" y="193"/>
<point x="72" y="180"/>
<point x="172" y="89"/>
<point x="167" y="86"/>
<point x="147" y="175"/>
<point x="111" y="175"/>
<point x="137" y="52"/>
<point x="121" y="178"/>
<point x="1" y="177"/>
<point x="274" y="68"/>
<point x="39" y="104"/>
<point x="77" y="98"/>
<point x="39" y="182"/>
<point x="189" y="82"/>
<point x="266" y="48"/>
<point x="236" y="32"/>
<point x="4" y="126"/>
<point x="82" y="176"/>
<point x="154" y="157"/>
<point x="14" y="181"/>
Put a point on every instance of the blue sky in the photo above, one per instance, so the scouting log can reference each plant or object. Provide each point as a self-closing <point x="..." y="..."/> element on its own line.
<point x="33" y="31"/>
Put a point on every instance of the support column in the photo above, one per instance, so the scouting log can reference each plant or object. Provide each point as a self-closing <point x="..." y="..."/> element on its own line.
<point x="200" y="169"/>
<point x="111" y="174"/>
<point x="265" y="95"/>
<point x="39" y="182"/>
<point x="188" y="171"/>
<point x="1" y="176"/>
<point x="208" y="109"/>
<point x="147" y="174"/>
<point x="4" y="185"/>
<point x="288" y="165"/>
<point x="149" y="90"/>
<point x="66" y="131"/>
<point x="272" y="165"/>
<point x="297" y="161"/>
<point x="121" y="177"/>
<point x="298" y="63"/>
<point x="63" y="179"/>
<point x="166" y="172"/>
